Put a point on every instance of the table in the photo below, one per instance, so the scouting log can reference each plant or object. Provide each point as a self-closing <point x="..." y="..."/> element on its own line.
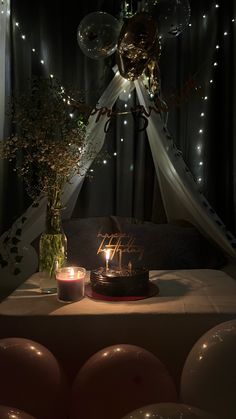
<point x="190" y="303"/>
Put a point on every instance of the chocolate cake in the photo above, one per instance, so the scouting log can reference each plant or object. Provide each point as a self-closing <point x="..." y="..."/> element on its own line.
<point x="120" y="283"/>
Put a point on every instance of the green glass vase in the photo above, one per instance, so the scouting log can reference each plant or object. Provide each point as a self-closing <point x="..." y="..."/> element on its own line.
<point x="52" y="250"/>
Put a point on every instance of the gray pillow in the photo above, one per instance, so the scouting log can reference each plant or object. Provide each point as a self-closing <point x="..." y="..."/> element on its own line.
<point x="166" y="246"/>
<point x="172" y="246"/>
<point x="82" y="240"/>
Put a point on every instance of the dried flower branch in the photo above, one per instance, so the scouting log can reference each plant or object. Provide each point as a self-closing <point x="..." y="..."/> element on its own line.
<point x="48" y="147"/>
<point x="49" y="141"/>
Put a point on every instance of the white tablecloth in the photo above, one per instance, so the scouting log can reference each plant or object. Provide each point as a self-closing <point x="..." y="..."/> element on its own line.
<point x="190" y="303"/>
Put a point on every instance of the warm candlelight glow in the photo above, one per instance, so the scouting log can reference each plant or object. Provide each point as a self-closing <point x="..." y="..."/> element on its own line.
<point x="70" y="283"/>
<point x="108" y="252"/>
<point x="69" y="274"/>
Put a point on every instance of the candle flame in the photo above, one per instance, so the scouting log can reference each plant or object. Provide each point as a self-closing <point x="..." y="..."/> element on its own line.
<point x="72" y="272"/>
<point x="108" y="252"/>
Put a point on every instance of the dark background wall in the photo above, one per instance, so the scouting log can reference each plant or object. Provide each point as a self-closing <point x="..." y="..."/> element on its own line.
<point x="127" y="185"/>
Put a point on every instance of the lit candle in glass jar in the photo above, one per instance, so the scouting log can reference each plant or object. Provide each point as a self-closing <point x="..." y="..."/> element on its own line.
<point x="70" y="283"/>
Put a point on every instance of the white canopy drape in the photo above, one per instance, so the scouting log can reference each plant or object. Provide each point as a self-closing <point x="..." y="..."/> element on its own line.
<point x="95" y="135"/>
<point x="34" y="217"/>
<point x="180" y="194"/>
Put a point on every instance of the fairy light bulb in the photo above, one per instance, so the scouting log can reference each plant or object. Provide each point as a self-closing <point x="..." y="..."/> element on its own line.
<point x="215" y="64"/>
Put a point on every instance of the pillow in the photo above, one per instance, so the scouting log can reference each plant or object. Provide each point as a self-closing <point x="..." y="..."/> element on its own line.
<point x="82" y="240"/>
<point x="176" y="245"/>
<point x="171" y="246"/>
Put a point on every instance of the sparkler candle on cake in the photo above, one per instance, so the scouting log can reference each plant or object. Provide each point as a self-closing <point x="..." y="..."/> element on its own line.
<point x="119" y="280"/>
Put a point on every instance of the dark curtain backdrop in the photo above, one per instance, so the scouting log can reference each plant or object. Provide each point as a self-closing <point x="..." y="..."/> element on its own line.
<point x="210" y="154"/>
<point x="126" y="185"/>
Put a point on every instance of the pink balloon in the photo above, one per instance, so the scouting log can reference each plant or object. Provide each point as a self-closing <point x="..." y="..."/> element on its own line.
<point x="12" y="412"/>
<point x="169" y="411"/>
<point x="117" y="380"/>
<point x="31" y="379"/>
<point x="208" y="378"/>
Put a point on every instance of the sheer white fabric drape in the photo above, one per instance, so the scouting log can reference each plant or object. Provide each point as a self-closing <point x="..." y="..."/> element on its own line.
<point x="180" y="194"/>
<point x="35" y="216"/>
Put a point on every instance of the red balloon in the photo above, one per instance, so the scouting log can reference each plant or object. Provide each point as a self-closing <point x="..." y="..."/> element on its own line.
<point x="11" y="412"/>
<point x="117" y="380"/>
<point x="31" y="379"/>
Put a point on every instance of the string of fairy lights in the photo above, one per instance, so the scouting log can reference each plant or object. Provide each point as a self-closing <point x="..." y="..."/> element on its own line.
<point x="4" y="10"/>
<point x="205" y="98"/>
<point x="199" y="146"/>
<point x="126" y="96"/>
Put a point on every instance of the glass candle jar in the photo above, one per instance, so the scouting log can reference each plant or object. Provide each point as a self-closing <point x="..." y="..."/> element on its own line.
<point x="70" y="283"/>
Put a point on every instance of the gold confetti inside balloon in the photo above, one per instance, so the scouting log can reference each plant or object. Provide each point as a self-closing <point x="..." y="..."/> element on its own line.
<point x="138" y="44"/>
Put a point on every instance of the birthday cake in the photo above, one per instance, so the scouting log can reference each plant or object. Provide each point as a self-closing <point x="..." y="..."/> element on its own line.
<point x="120" y="283"/>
